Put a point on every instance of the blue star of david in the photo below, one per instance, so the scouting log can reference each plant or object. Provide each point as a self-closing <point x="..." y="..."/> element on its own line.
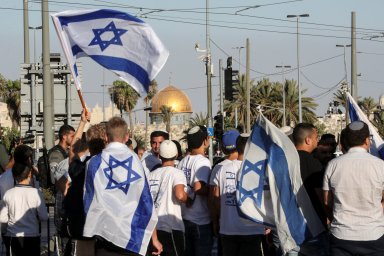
<point x="104" y="44"/>
<point x="256" y="193"/>
<point x="131" y="174"/>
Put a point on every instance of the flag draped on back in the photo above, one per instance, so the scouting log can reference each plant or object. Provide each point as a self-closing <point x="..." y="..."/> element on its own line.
<point x="118" y="41"/>
<point x="270" y="189"/>
<point x="356" y="114"/>
<point x="117" y="199"/>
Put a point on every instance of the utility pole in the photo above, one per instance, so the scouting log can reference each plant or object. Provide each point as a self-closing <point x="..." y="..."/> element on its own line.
<point x="353" y="58"/>
<point x="247" y="81"/>
<point x="221" y="88"/>
<point x="47" y="86"/>
<point x="283" y="84"/>
<point x="209" y="85"/>
<point x="298" y="62"/>
<point x="26" y="32"/>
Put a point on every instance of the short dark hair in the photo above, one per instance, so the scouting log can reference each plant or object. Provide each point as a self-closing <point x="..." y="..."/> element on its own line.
<point x="240" y="143"/>
<point x="160" y="134"/>
<point x="64" y="130"/>
<point x="301" y="131"/>
<point x="80" y="145"/>
<point x="23" y="154"/>
<point x="196" y="136"/>
<point x="20" y="171"/>
<point x="356" y="133"/>
<point x="343" y="140"/>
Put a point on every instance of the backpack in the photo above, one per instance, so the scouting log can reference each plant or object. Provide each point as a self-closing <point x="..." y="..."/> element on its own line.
<point x="44" y="167"/>
<point x="73" y="201"/>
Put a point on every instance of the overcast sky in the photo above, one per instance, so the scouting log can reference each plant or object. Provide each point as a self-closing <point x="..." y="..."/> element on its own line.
<point x="180" y="24"/>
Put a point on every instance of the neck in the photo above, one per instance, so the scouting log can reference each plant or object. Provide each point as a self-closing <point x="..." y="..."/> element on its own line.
<point x="240" y="157"/>
<point x="63" y="145"/>
<point x="303" y="148"/>
<point x="25" y="182"/>
<point x="198" y="151"/>
<point x="168" y="163"/>
<point x="233" y="156"/>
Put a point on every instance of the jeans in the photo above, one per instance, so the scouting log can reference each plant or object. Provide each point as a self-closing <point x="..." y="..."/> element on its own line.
<point x="341" y="247"/>
<point x="239" y="245"/>
<point x="199" y="239"/>
<point x="318" y="246"/>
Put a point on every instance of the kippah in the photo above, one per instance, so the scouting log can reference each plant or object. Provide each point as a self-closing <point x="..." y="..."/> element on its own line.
<point x="194" y="130"/>
<point x="356" y="125"/>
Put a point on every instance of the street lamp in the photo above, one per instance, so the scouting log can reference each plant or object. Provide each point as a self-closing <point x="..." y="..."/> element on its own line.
<point x="283" y="84"/>
<point x="239" y="48"/>
<point x="34" y="41"/>
<point x="345" y="62"/>
<point x="298" y="62"/>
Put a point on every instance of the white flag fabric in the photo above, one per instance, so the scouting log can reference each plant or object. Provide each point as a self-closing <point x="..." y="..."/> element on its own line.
<point x="356" y="114"/>
<point x="270" y="190"/>
<point x="117" y="199"/>
<point x="116" y="40"/>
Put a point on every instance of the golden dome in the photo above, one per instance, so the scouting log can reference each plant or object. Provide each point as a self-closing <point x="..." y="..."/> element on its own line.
<point x="173" y="97"/>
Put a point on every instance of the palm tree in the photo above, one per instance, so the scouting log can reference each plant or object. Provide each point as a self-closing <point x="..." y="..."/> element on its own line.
<point x="152" y="90"/>
<point x="198" y="119"/>
<point x="125" y="98"/>
<point x="369" y="106"/>
<point x="10" y="94"/>
<point x="378" y="122"/>
<point x="167" y="113"/>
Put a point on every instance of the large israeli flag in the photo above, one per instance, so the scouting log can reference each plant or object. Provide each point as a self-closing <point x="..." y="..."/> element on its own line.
<point x="116" y="40"/>
<point x="356" y="114"/>
<point x="117" y="199"/>
<point x="270" y="190"/>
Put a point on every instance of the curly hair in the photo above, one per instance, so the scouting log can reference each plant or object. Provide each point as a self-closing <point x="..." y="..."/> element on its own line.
<point x="96" y="138"/>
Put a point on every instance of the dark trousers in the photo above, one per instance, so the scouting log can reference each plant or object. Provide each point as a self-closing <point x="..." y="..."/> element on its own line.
<point x="234" y="245"/>
<point x="7" y="244"/>
<point x="198" y="238"/>
<point x="341" y="247"/>
<point x="21" y="246"/>
<point x="173" y="243"/>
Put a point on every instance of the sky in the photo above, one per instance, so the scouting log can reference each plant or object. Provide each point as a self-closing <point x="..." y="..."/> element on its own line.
<point x="273" y="41"/>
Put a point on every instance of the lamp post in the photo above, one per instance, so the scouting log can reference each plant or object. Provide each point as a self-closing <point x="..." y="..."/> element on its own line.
<point x="283" y="84"/>
<point x="34" y="41"/>
<point x="298" y="62"/>
<point x="239" y="48"/>
<point x="345" y="61"/>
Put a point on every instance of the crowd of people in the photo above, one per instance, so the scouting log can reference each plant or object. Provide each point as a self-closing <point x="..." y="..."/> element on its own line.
<point x="115" y="198"/>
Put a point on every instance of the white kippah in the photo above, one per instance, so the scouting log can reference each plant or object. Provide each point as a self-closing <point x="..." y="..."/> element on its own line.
<point x="194" y="130"/>
<point x="356" y="125"/>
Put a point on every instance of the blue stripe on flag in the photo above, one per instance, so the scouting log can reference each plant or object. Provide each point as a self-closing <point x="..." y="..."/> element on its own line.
<point x="124" y="65"/>
<point x="99" y="14"/>
<point x="140" y="219"/>
<point x="279" y="166"/>
<point x="352" y="112"/>
<point x="76" y="49"/>
<point x="93" y="166"/>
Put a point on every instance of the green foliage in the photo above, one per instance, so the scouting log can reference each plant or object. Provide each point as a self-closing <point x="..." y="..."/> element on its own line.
<point x="167" y="113"/>
<point x="10" y="94"/>
<point x="9" y="135"/>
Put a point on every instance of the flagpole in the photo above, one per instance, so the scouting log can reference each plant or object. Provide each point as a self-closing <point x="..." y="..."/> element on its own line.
<point x="82" y="101"/>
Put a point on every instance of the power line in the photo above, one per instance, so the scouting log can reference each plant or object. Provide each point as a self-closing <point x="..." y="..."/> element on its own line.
<point x="314" y="84"/>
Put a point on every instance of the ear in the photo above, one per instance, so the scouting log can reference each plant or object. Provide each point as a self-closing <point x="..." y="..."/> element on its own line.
<point x="126" y="138"/>
<point x="307" y="140"/>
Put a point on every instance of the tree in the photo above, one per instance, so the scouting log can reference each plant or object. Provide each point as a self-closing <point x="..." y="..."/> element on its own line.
<point x="10" y="94"/>
<point x="125" y="98"/>
<point x="167" y="113"/>
<point x="198" y="119"/>
<point x="369" y="106"/>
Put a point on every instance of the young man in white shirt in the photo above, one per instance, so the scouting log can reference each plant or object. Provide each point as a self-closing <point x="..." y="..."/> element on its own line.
<point x="238" y="236"/>
<point x="167" y="185"/>
<point x="151" y="159"/>
<point x="196" y="217"/>
<point x="353" y="191"/>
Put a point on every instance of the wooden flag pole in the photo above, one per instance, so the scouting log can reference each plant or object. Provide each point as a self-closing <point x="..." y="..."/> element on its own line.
<point x="82" y="101"/>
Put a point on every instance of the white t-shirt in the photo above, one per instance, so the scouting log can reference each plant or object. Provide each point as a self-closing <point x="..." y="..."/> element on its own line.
<point x="215" y="169"/>
<point x="230" y="221"/>
<point x="162" y="182"/>
<point x="23" y="208"/>
<point x="196" y="168"/>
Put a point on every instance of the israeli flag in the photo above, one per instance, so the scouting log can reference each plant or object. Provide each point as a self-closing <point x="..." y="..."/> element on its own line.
<point x="116" y="40"/>
<point x="117" y="200"/>
<point x="270" y="190"/>
<point x="356" y="114"/>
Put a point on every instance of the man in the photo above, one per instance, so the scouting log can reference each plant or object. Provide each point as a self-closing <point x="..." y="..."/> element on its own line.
<point x="117" y="200"/>
<point x="353" y="191"/>
<point x="238" y="236"/>
<point x="151" y="159"/>
<point x="305" y="138"/>
<point x="196" y="217"/>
